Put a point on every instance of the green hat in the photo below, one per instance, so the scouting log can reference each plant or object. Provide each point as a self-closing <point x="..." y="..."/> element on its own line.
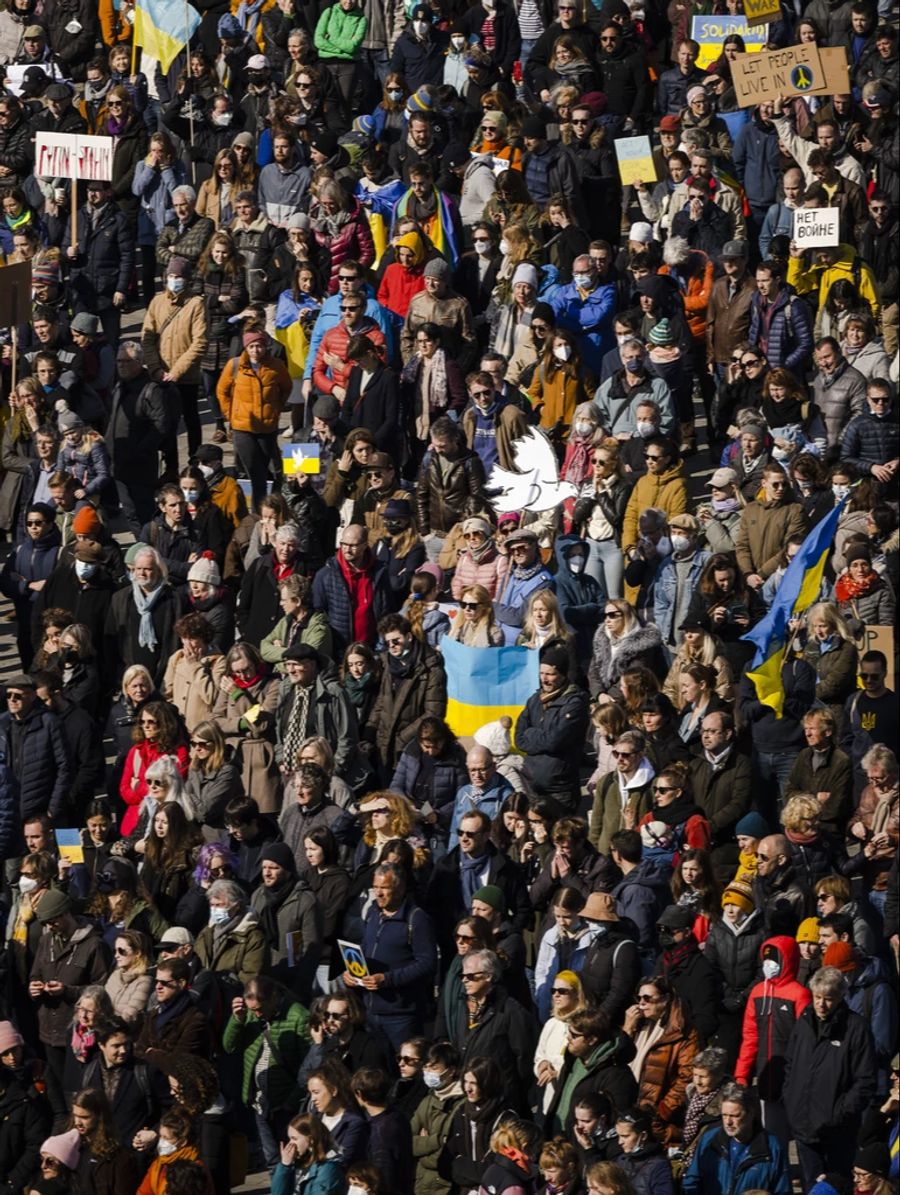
<point x="491" y="895"/>
<point x="661" y="333"/>
<point x="131" y="554"/>
<point x="53" y="904"/>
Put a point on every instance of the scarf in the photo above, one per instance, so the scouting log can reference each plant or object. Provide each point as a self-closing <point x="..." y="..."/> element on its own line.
<point x="296" y="729"/>
<point x="432" y="391"/>
<point x="361" y="592"/>
<point x="16" y="222"/>
<point x="331" y="226"/>
<point x="644" y="1042"/>
<point x="115" y="127"/>
<point x="579" y="459"/>
<point x="400" y="667"/>
<point x="478" y="554"/>
<point x="524" y="572"/>
<point x="96" y="91"/>
<point x="677" y="812"/>
<point x="780" y="414"/>
<point x="674" y="956"/>
<point x="172" y="1009"/>
<point x="800" y="839"/>
<point x="883" y="810"/>
<point x="240" y="683"/>
<point x="145" y="603"/>
<point x="83" y="1041"/>
<point x="357" y="689"/>
<point x="547" y="698"/>
<point x="471" y="869"/>
<point x="846" y="588"/>
<point x="273" y="899"/>
<point x="248" y="15"/>
<point x="696" y="1106"/>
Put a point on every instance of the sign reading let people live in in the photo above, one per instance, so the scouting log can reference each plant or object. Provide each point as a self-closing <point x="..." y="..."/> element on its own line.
<point x="70" y="155"/>
<point x="795" y="70"/>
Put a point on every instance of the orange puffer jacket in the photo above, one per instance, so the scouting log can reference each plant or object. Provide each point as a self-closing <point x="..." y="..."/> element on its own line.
<point x="252" y="400"/>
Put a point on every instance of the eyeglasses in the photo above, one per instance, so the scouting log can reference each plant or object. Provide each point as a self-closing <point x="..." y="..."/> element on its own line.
<point x="664" y="788"/>
<point x="560" y="991"/>
<point x="468" y="976"/>
<point x="156" y="784"/>
<point x="469" y="605"/>
<point x="199" y="743"/>
<point x="407" y="1060"/>
<point x="375" y="472"/>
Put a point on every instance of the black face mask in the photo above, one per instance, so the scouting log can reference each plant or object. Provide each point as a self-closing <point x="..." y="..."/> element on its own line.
<point x="257" y="77"/>
<point x="394" y="526"/>
<point x="666" y="938"/>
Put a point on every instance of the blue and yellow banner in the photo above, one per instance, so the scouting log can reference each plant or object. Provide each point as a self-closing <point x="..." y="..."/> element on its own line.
<point x="300" y="458"/>
<point x="798" y="590"/>
<point x="164" y="28"/>
<point x="486" y="683"/>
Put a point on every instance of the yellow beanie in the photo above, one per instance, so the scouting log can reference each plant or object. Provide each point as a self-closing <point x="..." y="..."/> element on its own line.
<point x="809" y="930"/>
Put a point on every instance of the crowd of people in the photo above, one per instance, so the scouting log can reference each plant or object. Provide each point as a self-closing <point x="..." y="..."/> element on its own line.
<point x="263" y="908"/>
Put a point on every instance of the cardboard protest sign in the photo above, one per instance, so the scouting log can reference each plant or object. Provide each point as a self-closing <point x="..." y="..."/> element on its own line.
<point x="817" y="227"/>
<point x="70" y="155"/>
<point x="881" y="639"/>
<point x="710" y="32"/>
<point x="635" y="160"/>
<point x="15" y="294"/>
<point x="837" y="72"/>
<point x="795" y="70"/>
<point x="761" y="10"/>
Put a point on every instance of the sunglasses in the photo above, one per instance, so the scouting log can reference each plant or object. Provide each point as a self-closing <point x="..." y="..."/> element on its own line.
<point x="198" y="743"/>
<point x="407" y="1060"/>
<point x="560" y="991"/>
<point x="167" y="983"/>
<point x="470" y="833"/>
<point x="469" y="605"/>
<point x="663" y="788"/>
<point x="624" y="754"/>
<point x="385" y="809"/>
<point x="579" y="120"/>
<point x="122" y="951"/>
<point x="351" y="307"/>
<point x="468" y="976"/>
<point x="156" y="784"/>
<point x="649" y="456"/>
<point x="481" y="393"/>
<point x="34" y="523"/>
<point x="465" y="937"/>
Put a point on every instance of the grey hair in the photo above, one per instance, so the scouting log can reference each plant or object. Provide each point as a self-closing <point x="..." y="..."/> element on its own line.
<point x="487" y="961"/>
<point x="713" y="1059"/>
<point x="733" y="1093"/>
<point x="228" y="890"/>
<point x="187" y="192"/>
<point x="288" y="532"/>
<point x="828" y="981"/>
<point x="633" y="738"/>
<point x="166" y="769"/>
<point x="391" y="871"/>
<point x="675" y="251"/>
<point x="134" y="349"/>
<point x="161" y="569"/>
<point x="634" y="340"/>
<point x="882" y="756"/>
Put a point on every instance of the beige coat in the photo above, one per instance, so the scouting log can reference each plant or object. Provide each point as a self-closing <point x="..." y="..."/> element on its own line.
<point x="253" y="743"/>
<point x="193" y="685"/>
<point x="173" y="342"/>
<point x="129" y="994"/>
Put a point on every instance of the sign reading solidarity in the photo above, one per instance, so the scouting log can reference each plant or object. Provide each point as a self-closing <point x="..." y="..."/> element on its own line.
<point x="70" y="155"/>
<point x="710" y="32"/>
<point x="795" y="70"/>
<point x="817" y="227"/>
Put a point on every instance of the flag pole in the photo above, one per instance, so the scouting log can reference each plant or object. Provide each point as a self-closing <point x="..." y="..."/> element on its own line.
<point x="134" y="45"/>
<point x="187" y="54"/>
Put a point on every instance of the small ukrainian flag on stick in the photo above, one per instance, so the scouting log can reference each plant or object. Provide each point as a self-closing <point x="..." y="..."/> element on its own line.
<point x="300" y="458"/>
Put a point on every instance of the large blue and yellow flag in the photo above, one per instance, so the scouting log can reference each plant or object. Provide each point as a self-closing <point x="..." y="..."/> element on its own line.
<point x="798" y="590"/>
<point x="164" y="28"/>
<point x="486" y="683"/>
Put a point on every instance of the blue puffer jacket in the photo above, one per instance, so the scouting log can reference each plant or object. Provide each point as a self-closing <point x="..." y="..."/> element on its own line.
<point x="447" y="775"/>
<point x="665" y="590"/>
<point x="762" y="1168"/>
<point x="488" y="802"/>
<point x="872" y="996"/>
<point x="331" y="596"/>
<point x="790" y="333"/>
<point x="592" y="318"/>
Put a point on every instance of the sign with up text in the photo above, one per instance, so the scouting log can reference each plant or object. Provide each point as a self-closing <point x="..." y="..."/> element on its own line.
<point x="795" y="70"/>
<point x="70" y="155"/>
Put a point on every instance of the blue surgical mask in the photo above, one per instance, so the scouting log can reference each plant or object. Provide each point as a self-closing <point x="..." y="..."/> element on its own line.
<point x="191" y="495"/>
<point x="635" y="366"/>
<point x="582" y="281"/>
<point x="432" y="1079"/>
<point x="219" y="916"/>
<point x="84" y="570"/>
<point x="175" y="285"/>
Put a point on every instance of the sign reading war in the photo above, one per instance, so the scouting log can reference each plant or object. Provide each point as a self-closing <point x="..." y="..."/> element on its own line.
<point x="795" y="70"/>
<point x="71" y="155"/>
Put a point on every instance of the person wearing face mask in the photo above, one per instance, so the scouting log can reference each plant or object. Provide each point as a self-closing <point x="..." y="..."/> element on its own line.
<point x="677" y="578"/>
<point x="173" y="1144"/>
<point x="586" y="306"/>
<point x="772" y="1009"/>
<point x="559" y="385"/>
<point x="419" y="51"/>
<point x="580" y="595"/>
<point x="173" y="339"/>
<point x="432" y="1121"/>
<point x="720" y="517"/>
<point x="616" y="401"/>
<point x="642" y="1158"/>
<point x="223" y="488"/>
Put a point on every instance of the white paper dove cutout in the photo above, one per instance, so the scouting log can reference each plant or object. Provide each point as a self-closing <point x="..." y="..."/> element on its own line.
<point x="536" y="486"/>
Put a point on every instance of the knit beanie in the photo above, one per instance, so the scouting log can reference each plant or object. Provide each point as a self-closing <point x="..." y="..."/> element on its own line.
<point x="739" y="893"/>
<point x="491" y="895"/>
<point x="752" y="825"/>
<point x="808" y="930"/>
<point x="205" y="570"/>
<point x="9" y="1036"/>
<point x="86" y="521"/>
<point x="66" y="1148"/>
<point x="840" y="955"/>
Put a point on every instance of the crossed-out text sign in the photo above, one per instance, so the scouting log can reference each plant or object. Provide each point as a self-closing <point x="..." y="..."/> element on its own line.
<point x="71" y="155"/>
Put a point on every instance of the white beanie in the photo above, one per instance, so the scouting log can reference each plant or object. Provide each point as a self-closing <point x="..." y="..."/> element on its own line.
<point x="641" y="232"/>
<point x="496" y="737"/>
<point x="206" y="571"/>
<point x="525" y="272"/>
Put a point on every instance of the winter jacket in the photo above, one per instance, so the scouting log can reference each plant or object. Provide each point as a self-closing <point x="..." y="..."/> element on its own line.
<point x="766" y="526"/>
<point x="834" y="777"/>
<point x="453" y="315"/>
<point x="25" y="1122"/>
<point x="420" y="62"/>
<point x="331" y="596"/>
<point x="666" y="491"/>
<point x="81" y="960"/>
<point x="830" y="1074"/>
<point x="122" y="630"/>
<point x="252" y="399"/>
<point x="187" y="241"/>
<point x="240" y="953"/>
<point x="724" y="795"/>
<point x="377" y="409"/>
<point x="286" y="1037"/>
<point x="321" y="1178"/>
<point x="549" y="962"/>
<point x="224" y="295"/>
<point x="187" y="1032"/>
<point x="353" y="241"/>
<point x="666" y="1072"/>
<point x="506" y="1032"/>
<point x="448" y="491"/>
<point x="615" y="406"/>
<point x="712" y="1170"/>
<point x="489" y="801"/>
<point x="105" y="259"/>
<point x="154" y="187"/>
<point x="696" y="985"/>
<point x="41" y="766"/>
<point x="593" y="873"/>
<point x="757" y="162"/>
<point x="16" y="152"/>
<point x="733" y="953"/>
<point x="642" y="895"/>
<point x="551" y="736"/>
<point x="769" y="1018"/>
<point x="869" y="440"/>
<point x="604" y="1070"/>
<point x="401" y="704"/>
<point x="431" y="1124"/>
<point x="142" y="416"/>
<point x="444" y="896"/>
<point x="607" y="810"/>
<point x="402" y="947"/>
<point x="193" y="685"/>
<point x="257" y="242"/>
<point x="339" y="34"/>
<point x="625" y="80"/>
<point x="648" y="1170"/>
<point x="612" y="968"/>
<point x="174" y="337"/>
<point x="818" y="280"/>
<point x="641" y="646"/>
<point x="727" y="318"/>
<point x="512" y="597"/>
<point x="332" y="717"/>
<point x="446" y="775"/>
<point x="790" y="336"/>
<point x="488" y="571"/>
<point x="253" y="743"/>
<point x="839" y="397"/>
<point x="590" y="318"/>
<point x="73" y="47"/>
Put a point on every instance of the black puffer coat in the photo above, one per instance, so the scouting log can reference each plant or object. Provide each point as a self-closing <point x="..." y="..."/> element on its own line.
<point x="17" y="152"/>
<point x="43" y="771"/>
<point x="735" y="957"/>
<point x="25" y="1121"/>
<point x="224" y="295"/>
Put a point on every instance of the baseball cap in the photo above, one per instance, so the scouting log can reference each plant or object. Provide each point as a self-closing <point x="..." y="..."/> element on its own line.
<point x="722" y="477"/>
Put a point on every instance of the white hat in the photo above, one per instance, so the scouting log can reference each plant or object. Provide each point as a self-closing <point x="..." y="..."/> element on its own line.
<point x="496" y="737"/>
<point x="176" y="936"/>
<point x="205" y="570"/>
<point x="525" y="272"/>
<point x="257" y="62"/>
<point x="641" y="232"/>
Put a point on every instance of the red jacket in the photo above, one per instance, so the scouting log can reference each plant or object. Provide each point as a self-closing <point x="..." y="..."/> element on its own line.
<point x="335" y="341"/>
<point x="353" y="240"/>
<point x="399" y="287"/>
<point x="773" y="1007"/>
<point x="133" y="785"/>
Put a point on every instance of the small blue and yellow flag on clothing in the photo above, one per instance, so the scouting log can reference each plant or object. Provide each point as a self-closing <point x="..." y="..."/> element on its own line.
<point x="163" y="28"/>
<point x="486" y="683"/>
<point x="799" y="589"/>
<point x="300" y="458"/>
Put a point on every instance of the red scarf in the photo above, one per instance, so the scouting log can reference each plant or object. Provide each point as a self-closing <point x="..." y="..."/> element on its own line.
<point x="240" y="683"/>
<point x="362" y="596"/>
<point x="846" y="589"/>
<point x="281" y="571"/>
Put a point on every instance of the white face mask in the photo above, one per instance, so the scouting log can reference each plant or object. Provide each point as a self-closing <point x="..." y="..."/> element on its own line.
<point x="771" y="968"/>
<point x="84" y="570"/>
<point x="218" y="916"/>
<point x="222" y="119"/>
<point x="577" y="563"/>
<point x="562" y="352"/>
<point x="840" y="491"/>
<point x="206" y="470"/>
<point x="165" y="1148"/>
<point x="27" y="884"/>
<point x="583" y="429"/>
<point x="431" y="1079"/>
<point x="420" y="28"/>
<point x="504" y="246"/>
<point x="620" y="340"/>
<point x="354" y="1190"/>
<point x="680" y="543"/>
<point x="458" y="43"/>
<point x="175" y="285"/>
<point x="582" y="281"/>
<point x="664" y="547"/>
<point x="645" y="429"/>
<point x="395" y="97"/>
<point x="482" y="248"/>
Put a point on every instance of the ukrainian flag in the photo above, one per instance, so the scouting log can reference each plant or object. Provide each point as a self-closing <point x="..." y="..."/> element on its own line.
<point x="798" y="590"/>
<point x="300" y="458"/>
<point x="164" y="28"/>
<point x="486" y="683"/>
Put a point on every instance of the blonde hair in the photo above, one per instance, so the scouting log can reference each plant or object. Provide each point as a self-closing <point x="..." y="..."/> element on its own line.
<point x="485" y="622"/>
<point x="402" y="819"/>
<point x="558" y="629"/>
<point x="800" y="809"/>
<point x="829" y="613"/>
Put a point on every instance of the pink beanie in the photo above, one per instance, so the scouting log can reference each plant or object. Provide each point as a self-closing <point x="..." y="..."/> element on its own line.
<point x="66" y="1148"/>
<point x="9" y="1036"/>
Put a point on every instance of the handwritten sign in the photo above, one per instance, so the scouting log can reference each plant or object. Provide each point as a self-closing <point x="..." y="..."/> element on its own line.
<point x="70" y="155"/>
<point x="795" y="70"/>
<point x="710" y="33"/>
<point x="817" y="227"/>
<point x="881" y="639"/>
<point x="635" y="160"/>
<point x="837" y="72"/>
<point x="761" y="10"/>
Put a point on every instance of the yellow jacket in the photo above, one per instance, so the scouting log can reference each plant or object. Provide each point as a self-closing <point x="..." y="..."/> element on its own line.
<point x="824" y="277"/>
